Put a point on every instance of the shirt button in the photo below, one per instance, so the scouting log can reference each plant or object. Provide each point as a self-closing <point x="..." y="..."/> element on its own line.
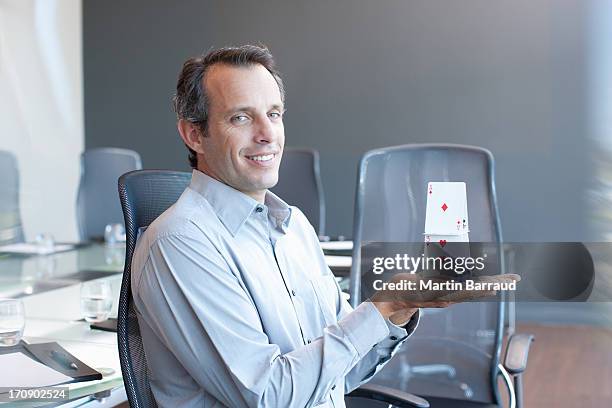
<point x="259" y="209"/>
<point x="393" y="338"/>
<point x="308" y="341"/>
<point x="293" y="292"/>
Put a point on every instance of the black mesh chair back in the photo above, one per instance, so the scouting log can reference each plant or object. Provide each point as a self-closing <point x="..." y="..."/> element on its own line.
<point x="11" y="229"/>
<point x="454" y="353"/>
<point x="144" y="195"/>
<point x="299" y="184"/>
<point x="97" y="204"/>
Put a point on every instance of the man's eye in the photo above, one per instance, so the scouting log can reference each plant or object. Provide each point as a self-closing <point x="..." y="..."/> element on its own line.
<point x="239" y="119"/>
<point x="274" y="115"/>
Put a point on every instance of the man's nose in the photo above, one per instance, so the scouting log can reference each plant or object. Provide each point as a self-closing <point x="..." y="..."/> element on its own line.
<point x="265" y="131"/>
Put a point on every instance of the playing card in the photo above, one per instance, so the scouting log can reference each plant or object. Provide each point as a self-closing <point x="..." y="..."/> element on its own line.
<point x="446" y="210"/>
<point x="452" y="245"/>
<point x="443" y="239"/>
<point x="447" y="246"/>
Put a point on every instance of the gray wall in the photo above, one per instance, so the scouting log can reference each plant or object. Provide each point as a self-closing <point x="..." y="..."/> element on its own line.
<point x="510" y="76"/>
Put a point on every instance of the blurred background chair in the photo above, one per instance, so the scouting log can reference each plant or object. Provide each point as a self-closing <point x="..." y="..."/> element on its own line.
<point x="11" y="229"/>
<point x="453" y="358"/>
<point x="144" y="195"/>
<point x="299" y="184"/>
<point x="97" y="204"/>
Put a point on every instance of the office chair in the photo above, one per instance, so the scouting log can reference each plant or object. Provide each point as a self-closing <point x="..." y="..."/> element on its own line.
<point x="144" y="195"/>
<point x="453" y="358"/>
<point x="299" y="184"/>
<point x="97" y="204"/>
<point x="11" y="229"/>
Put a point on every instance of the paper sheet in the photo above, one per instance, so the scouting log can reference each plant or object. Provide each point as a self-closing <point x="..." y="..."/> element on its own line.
<point x="19" y="370"/>
<point x="337" y="245"/>
<point x="27" y="248"/>
<point x="334" y="261"/>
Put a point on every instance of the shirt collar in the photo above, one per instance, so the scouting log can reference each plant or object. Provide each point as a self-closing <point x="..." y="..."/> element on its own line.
<point x="234" y="207"/>
<point x="279" y="210"/>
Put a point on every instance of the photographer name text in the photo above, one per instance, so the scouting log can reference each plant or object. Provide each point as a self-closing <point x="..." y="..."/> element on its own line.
<point x="450" y="285"/>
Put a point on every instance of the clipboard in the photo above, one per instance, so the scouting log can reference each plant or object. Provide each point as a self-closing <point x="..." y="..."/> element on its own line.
<point x="109" y="325"/>
<point x="43" y="353"/>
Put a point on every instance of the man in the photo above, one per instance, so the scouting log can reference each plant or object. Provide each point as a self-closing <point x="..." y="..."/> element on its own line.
<point x="236" y="305"/>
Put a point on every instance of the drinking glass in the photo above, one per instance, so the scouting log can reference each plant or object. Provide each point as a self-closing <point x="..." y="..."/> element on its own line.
<point x="114" y="234"/>
<point x="45" y="243"/>
<point x="12" y="321"/>
<point x="96" y="300"/>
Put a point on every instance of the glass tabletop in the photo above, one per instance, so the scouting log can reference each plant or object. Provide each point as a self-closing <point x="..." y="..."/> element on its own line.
<point x="49" y="286"/>
<point x="22" y="276"/>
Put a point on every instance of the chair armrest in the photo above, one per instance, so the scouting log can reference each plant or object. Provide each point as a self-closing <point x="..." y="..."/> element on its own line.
<point x="389" y="395"/>
<point x="517" y="353"/>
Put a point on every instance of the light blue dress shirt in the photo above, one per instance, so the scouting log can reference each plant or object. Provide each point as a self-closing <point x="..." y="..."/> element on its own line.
<point x="237" y="307"/>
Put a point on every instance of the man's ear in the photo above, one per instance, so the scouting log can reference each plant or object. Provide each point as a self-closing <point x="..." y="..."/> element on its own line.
<point x="191" y="135"/>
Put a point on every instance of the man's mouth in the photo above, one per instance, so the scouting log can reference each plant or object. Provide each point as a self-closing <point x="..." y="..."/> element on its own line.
<point x="261" y="157"/>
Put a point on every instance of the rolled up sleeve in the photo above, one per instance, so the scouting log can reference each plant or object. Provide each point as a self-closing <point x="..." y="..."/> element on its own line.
<point x="381" y="351"/>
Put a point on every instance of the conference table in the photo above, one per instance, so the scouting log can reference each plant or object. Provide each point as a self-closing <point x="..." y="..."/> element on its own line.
<point x="49" y="286"/>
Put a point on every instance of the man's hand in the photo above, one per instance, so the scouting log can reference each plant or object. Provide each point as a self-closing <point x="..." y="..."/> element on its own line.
<point x="400" y="305"/>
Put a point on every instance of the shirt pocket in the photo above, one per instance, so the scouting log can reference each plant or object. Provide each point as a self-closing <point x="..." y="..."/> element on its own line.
<point x="326" y="294"/>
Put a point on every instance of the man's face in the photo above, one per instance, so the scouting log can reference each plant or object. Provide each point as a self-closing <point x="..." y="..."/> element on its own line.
<point x="245" y="135"/>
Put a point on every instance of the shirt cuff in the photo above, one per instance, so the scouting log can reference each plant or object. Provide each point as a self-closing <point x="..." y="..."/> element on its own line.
<point x="397" y="334"/>
<point x="412" y="324"/>
<point x="364" y="327"/>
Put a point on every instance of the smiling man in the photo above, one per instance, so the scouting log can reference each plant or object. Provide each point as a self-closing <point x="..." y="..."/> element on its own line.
<point x="235" y="303"/>
<point x="243" y="131"/>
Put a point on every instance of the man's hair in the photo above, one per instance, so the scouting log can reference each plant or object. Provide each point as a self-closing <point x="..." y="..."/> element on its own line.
<point x="191" y="101"/>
